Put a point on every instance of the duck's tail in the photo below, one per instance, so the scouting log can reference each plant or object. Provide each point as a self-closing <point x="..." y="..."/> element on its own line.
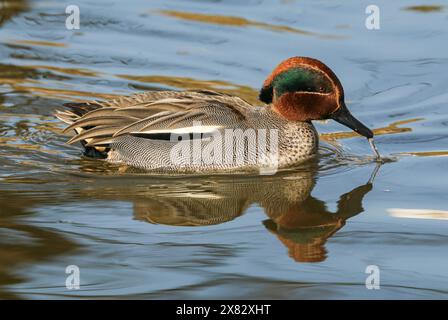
<point x="70" y="115"/>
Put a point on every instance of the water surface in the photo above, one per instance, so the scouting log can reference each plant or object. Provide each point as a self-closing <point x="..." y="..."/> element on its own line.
<point x="308" y="233"/>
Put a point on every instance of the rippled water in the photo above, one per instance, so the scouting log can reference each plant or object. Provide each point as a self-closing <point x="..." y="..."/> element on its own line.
<point x="309" y="233"/>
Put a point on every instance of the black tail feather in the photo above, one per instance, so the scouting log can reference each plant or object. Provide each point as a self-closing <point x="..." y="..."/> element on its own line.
<point x="81" y="108"/>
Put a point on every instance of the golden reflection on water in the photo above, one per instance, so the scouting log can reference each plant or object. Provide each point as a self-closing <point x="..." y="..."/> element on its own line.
<point x="425" y="8"/>
<point x="68" y="71"/>
<point x="240" y="22"/>
<point x="26" y="126"/>
<point x="22" y="78"/>
<point x="390" y="129"/>
<point x="40" y="43"/>
<point x="426" y="153"/>
<point x="64" y="94"/>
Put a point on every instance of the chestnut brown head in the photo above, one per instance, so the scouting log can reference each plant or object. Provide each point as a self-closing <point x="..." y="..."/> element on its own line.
<point x="305" y="89"/>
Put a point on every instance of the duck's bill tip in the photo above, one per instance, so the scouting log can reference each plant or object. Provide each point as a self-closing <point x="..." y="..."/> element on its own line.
<point x="343" y="116"/>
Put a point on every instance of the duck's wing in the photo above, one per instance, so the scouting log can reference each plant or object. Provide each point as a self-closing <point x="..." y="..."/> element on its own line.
<point x="153" y="115"/>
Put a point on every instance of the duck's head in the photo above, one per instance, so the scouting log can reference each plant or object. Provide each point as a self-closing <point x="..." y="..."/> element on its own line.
<point x="305" y="89"/>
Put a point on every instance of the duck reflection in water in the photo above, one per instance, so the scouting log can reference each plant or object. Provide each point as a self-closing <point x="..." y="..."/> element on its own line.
<point x="300" y="221"/>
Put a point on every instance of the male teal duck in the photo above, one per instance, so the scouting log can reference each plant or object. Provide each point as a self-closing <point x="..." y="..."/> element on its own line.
<point x="149" y="130"/>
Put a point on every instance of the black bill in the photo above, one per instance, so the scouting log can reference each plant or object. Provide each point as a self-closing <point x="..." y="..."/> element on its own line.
<point x="343" y="116"/>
